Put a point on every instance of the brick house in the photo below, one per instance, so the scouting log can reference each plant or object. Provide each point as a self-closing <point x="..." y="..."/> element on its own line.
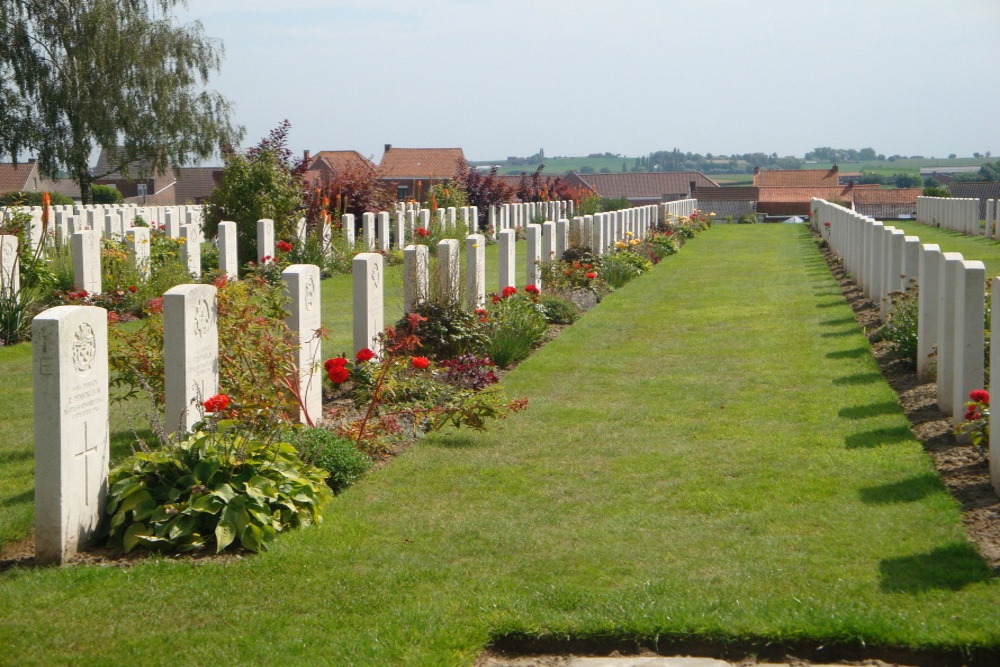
<point x="888" y="204"/>
<point x="642" y="188"/>
<point x="185" y="185"/>
<point x="411" y="171"/>
<point x="982" y="191"/>
<point x="322" y="167"/>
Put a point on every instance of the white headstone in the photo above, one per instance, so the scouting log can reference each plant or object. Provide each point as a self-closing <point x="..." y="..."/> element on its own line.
<point x="302" y="286"/>
<point x="448" y="274"/>
<point x="10" y="278"/>
<point x="562" y="237"/>
<point x="532" y="263"/>
<point x="928" y="307"/>
<point x="87" y="261"/>
<point x="970" y="313"/>
<point x="137" y="245"/>
<point x="994" y="444"/>
<point x="368" y="230"/>
<point x="475" y="271"/>
<point x="190" y="353"/>
<point x="384" y="237"/>
<point x="951" y="264"/>
<point x="70" y="361"/>
<point x="347" y="228"/>
<point x="265" y="240"/>
<point x="416" y="281"/>
<point x="227" y="242"/>
<point x="367" y="276"/>
<point x="191" y="250"/>
<point x="506" y="240"/>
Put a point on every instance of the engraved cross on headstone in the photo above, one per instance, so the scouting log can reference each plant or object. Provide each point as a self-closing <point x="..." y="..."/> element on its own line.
<point x="85" y="452"/>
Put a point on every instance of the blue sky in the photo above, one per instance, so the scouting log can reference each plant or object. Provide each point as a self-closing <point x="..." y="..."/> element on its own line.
<point x="507" y="77"/>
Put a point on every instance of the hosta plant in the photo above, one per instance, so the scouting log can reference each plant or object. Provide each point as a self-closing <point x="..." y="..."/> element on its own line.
<point x="213" y="488"/>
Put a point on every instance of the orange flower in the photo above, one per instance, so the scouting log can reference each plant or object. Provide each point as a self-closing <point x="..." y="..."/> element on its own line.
<point x="46" y="202"/>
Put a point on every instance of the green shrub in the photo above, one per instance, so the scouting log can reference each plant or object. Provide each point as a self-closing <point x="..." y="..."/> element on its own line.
<point x="619" y="268"/>
<point x="557" y="310"/>
<point x="333" y="453"/>
<point x="900" y="328"/>
<point x="34" y="199"/>
<point x="449" y="331"/>
<point x="105" y="194"/>
<point x="209" y="487"/>
<point x="516" y="325"/>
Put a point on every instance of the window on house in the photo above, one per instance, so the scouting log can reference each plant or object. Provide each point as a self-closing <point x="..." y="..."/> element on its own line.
<point x="402" y="192"/>
<point x="140" y="189"/>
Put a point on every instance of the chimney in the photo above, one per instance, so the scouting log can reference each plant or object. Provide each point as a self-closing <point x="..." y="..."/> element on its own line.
<point x="305" y="157"/>
<point x="835" y="168"/>
<point x="387" y="147"/>
<point x="691" y="186"/>
<point x="756" y="170"/>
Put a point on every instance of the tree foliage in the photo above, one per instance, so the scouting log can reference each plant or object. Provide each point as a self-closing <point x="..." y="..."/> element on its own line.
<point x="76" y="75"/>
<point x="482" y="190"/>
<point x="263" y="182"/>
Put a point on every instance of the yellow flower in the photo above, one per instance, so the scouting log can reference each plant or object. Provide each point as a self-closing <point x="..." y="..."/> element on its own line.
<point x="629" y="233"/>
<point x="620" y="245"/>
<point x="634" y="242"/>
<point x="712" y="214"/>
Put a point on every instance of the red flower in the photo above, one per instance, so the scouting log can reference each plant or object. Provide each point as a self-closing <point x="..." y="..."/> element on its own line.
<point x="155" y="305"/>
<point x="507" y="291"/>
<point x="480" y="311"/>
<point x="283" y="246"/>
<point x="422" y="231"/>
<point x="216" y="403"/>
<point x="132" y="288"/>
<point x="494" y="298"/>
<point x="113" y="317"/>
<point x="364" y="354"/>
<point x="591" y="275"/>
<point x="336" y="362"/>
<point x="338" y="374"/>
<point x="531" y="289"/>
<point x="980" y="396"/>
<point x="972" y="414"/>
<point x="420" y="363"/>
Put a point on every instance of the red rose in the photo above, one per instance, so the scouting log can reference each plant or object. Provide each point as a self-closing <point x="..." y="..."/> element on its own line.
<point x="338" y="374"/>
<point x="113" y="317"/>
<point x="531" y="289"/>
<point x="336" y="362"/>
<point x="420" y="363"/>
<point x="132" y="288"/>
<point x="494" y="298"/>
<point x="364" y="354"/>
<point x="507" y="291"/>
<point x="422" y="231"/>
<point x="216" y="403"/>
<point x="591" y="275"/>
<point x="980" y="396"/>
<point x="283" y="246"/>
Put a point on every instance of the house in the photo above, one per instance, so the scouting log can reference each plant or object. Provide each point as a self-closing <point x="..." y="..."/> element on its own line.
<point x="792" y="200"/>
<point x="887" y="204"/>
<point x="321" y="168"/>
<point x="735" y="201"/>
<point x="982" y="191"/>
<point x="642" y="188"/>
<point x="797" y="178"/>
<point x="412" y="171"/>
<point x="24" y="177"/>
<point x="184" y="185"/>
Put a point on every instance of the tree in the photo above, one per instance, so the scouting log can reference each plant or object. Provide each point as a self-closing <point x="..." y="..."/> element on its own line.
<point x="76" y="75"/>
<point x="990" y="171"/>
<point x="952" y="156"/>
<point x="907" y="180"/>
<point x="263" y="182"/>
<point x="482" y="190"/>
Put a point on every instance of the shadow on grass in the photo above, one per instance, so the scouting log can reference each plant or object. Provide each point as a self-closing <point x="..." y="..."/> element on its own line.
<point x="872" y="410"/>
<point x="858" y="378"/>
<point x="20" y="499"/>
<point x="455" y="442"/>
<point x="831" y="304"/>
<point x="840" y="334"/>
<point x="879" y="437"/>
<point x="951" y="567"/>
<point x="908" y="490"/>
<point x="17" y="455"/>
<point x="838" y="321"/>
<point x="855" y="353"/>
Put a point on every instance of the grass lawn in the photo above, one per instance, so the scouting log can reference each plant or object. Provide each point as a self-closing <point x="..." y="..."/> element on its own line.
<point x="972" y="247"/>
<point x="711" y="452"/>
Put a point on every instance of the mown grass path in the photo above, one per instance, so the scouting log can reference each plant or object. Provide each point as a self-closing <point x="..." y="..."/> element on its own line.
<point x="710" y="452"/>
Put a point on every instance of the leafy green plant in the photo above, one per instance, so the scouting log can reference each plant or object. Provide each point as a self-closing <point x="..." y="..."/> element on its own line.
<point x="338" y="456"/>
<point x="105" y="194"/>
<point x="900" y="328"/>
<point x="620" y="267"/>
<point x="557" y="310"/>
<point x="516" y="325"/>
<point x="447" y="330"/>
<point x="215" y="487"/>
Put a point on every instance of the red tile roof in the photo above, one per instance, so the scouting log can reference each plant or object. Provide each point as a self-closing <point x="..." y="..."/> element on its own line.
<point x="195" y="184"/>
<point x="887" y="196"/>
<point x="337" y="160"/>
<point x="14" y="178"/>
<point x="796" y="177"/>
<point x="734" y="193"/>
<point x="646" y="185"/>
<point x="428" y="163"/>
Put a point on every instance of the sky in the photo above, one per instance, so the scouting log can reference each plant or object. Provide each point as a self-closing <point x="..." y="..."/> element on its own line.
<point x="499" y="78"/>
